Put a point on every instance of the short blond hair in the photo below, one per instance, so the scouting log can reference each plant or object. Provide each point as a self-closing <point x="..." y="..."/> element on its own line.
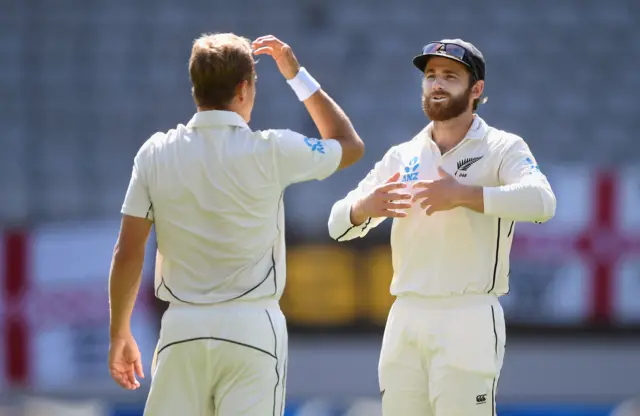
<point x="218" y="63"/>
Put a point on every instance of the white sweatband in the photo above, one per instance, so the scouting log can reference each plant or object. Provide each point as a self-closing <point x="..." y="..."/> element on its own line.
<point x="303" y="84"/>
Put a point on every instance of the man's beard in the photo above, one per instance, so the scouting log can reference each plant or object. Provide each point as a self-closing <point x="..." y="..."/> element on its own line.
<point x="453" y="107"/>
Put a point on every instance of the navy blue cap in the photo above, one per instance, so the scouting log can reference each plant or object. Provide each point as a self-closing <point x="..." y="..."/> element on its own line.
<point x="457" y="50"/>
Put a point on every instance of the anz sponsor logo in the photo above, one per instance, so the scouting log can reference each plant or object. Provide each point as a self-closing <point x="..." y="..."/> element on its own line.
<point x="411" y="171"/>
<point x="315" y="145"/>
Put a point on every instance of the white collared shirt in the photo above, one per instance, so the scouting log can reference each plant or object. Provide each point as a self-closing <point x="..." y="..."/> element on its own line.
<point x="457" y="251"/>
<point x="214" y="191"/>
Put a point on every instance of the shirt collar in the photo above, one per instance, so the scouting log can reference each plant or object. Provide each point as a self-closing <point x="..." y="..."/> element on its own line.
<point x="216" y="118"/>
<point x="477" y="131"/>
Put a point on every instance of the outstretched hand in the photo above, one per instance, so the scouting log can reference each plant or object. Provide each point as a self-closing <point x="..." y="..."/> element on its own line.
<point x="383" y="201"/>
<point x="438" y="195"/>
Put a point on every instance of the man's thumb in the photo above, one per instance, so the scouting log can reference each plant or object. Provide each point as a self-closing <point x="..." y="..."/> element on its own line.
<point x="138" y="366"/>
<point x="394" y="178"/>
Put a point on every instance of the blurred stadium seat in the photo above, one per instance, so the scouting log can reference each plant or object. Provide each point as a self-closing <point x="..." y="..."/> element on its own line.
<point x="321" y="285"/>
<point x="379" y="272"/>
<point x="51" y="407"/>
<point x="107" y="75"/>
<point x="365" y="407"/>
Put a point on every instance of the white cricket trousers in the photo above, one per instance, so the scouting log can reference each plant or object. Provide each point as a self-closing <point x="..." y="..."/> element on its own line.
<point x="442" y="356"/>
<point x="220" y="360"/>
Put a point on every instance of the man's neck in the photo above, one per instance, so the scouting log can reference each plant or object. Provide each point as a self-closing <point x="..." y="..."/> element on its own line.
<point x="447" y="134"/>
<point x="201" y="109"/>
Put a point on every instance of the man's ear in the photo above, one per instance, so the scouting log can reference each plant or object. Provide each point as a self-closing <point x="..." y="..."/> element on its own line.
<point x="477" y="89"/>
<point x="242" y="90"/>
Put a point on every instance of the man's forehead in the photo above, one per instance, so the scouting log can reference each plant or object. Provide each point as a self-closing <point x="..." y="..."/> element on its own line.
<point x="438" y="63"/>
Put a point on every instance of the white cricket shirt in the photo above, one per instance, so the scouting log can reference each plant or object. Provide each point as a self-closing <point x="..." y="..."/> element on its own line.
<point x="214" y="191"/>
<point x="458" y="251"/>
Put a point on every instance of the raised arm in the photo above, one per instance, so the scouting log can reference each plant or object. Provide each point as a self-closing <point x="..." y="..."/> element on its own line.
<point x="331" y="121"/>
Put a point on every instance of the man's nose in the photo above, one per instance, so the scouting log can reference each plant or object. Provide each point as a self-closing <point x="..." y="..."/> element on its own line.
<point x="436" y="85"/>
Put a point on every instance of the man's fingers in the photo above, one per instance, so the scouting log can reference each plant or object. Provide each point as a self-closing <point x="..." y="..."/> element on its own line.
<point x="270" y="42"/>
<point x="265" y="38"/>
<point x="265" y="50"/>
<point x="392" y="186"/>
<point x="397" y="205"/>
<point x="422" y="184"/>
<point x="431" y="210"/>
<point x="394" y="214"/>
<point x="393" y="209"/>
<point x="128" y="384"/>
<point x="420" y="195"/>
<point x="392" y="183"/>
<point x="131" y="376"/>
<point x="117" y="377"/>
<point x="139" y="371"/>
<point x="122" y="379"/>
<point x="396" y="196"/>
<point x="393" y="178"/>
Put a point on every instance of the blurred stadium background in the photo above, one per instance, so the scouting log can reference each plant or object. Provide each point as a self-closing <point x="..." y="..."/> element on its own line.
<point x="84" y="83"/>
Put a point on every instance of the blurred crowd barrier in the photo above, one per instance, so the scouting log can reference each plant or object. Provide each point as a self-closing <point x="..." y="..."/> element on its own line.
<point x="39" y="406"/>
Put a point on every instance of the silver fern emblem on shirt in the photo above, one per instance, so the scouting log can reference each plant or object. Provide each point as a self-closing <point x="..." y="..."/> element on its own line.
<point x="464" y="165"/>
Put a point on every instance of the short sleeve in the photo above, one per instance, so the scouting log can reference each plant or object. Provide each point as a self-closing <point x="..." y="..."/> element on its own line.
<point x="299" y="158"/>
<point x="137" y="202"/>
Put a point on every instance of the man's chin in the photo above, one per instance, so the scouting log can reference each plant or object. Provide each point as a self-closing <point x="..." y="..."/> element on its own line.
<point x="437" y="114"/>
<point x="438" y="118"/>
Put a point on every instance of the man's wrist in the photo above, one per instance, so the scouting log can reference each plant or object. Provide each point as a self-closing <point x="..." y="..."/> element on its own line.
<point x="292" y="75"/>
<point x="303" y="84"/>
<point x="355" y="216"/>
<point x="471" y="197"/>
<point x="121" y="331"/>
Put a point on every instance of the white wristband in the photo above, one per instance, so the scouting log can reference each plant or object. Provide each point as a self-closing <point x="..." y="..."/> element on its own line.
<point x="303" y="84"/>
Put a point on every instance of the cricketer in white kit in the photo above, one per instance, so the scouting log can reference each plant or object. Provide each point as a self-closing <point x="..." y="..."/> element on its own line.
<point x="455" y="192"/>
<point x="213" y="189"/>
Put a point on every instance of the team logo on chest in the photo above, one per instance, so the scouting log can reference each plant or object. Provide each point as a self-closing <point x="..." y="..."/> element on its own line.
<point x="464" y="165"/>
<point x="411" y="171"/>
